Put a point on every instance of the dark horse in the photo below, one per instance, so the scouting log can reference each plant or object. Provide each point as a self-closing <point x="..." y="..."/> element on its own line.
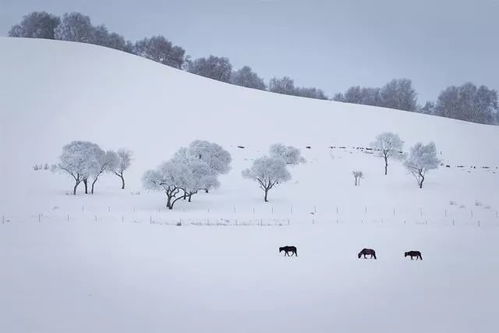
<point x="288" y="249"/>
<point x="366" y="252"/>
<point x="413" y="254"/>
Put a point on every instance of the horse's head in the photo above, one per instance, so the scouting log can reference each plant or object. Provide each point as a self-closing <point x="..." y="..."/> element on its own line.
<point x="281" y="249"/>
<point x="406" y="254"/>
<point x="360" y="254"/>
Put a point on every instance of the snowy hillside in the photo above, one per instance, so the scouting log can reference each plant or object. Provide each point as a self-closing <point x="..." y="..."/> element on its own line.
<point x="117" y="262"/>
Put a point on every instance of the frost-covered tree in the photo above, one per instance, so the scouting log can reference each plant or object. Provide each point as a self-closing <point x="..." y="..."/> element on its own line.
<point x="389" y="146"/>
<point x="283" y="85"/>
<point x="213" y="154"/>
<point x="180" y="177"/>
<point x="399" y="94"/>
<point x="310" y="93"/>
<point x="78" y="160"/>
<point x="216" y="68"/>
<point x="106" y="162"/>
<point x="396" y="94"/>
<point x="357" y="175"/>
<point x="468" y="102"/>
<point x="245" y="77"/>
<point x="198" y="175"/>
<point x="289" y="154"/>
<point x="36" y="25"/>
<point x="268" y="172"/>
<point x="75" y="27"/>
<point x="286" y="86"/>
<point x="161" y="50"/>
<point x="124" y="162"/>
<point x="428" y="108"/>
<point x="422" y="158"/>
<point x="110" y="39"/>
<point x="358" y="95"/>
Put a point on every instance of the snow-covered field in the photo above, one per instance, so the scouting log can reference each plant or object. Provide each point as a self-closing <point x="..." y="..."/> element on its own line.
<point x="118" y="262"/>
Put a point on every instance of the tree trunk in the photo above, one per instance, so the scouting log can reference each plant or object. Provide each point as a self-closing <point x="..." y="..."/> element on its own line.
<point x="386" y="165"/>
<point x="190" y="196"/>
<point x="421" y="179"/>
<point x="93" y="185"/>
<point x="85" y="182"/>
<point x="206" y="190"/>
<point x="266" y="192"/>
<point x="169" y="202"/>
<point x="75" y="187"/>
<point x="120" y="174"/>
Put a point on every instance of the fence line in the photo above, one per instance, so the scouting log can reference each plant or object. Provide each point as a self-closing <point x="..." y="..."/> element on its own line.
<point x="262" y="221"/>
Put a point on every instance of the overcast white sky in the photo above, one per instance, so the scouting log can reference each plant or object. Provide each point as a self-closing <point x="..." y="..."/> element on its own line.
<point x="329" y="44"/>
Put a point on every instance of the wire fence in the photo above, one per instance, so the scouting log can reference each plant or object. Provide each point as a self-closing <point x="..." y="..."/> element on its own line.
<point x="452" y="217"/>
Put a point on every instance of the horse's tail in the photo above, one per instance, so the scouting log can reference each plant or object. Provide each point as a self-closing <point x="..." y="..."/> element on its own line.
<point x="296" y="252"/>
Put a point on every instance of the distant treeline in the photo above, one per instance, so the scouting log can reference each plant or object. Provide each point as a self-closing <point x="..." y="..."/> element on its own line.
<point x="466" y="102"/>
<point x="78" y="28"/>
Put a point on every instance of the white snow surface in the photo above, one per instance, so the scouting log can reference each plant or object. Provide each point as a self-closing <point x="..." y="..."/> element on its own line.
<point x="116" y="261"/>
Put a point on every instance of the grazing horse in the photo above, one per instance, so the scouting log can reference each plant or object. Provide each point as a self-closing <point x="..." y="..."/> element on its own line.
<point x="288" y="249"/>
<point x="366" y="252"/>
<point x="413" y="254"/>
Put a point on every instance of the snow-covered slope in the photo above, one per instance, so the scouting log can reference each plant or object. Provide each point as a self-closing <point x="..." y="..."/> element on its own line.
<point x="131" y="273"/>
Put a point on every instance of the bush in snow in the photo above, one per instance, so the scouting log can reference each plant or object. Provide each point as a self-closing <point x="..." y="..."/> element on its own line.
<point x="422" y="159"/>
<point x="268" y="172"/>
<point x="124" y="161"/>
<point x="36" y="25"/>
<point x="388" y="145"/>
<point x="289" y="154"/>
<point x="357" y="175"/>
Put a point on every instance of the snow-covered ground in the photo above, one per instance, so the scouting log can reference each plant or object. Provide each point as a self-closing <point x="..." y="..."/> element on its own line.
<point x="117" y="261"/>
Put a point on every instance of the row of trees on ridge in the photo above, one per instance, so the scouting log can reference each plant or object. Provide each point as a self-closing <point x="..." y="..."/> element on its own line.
<point x="77" y="27"/>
